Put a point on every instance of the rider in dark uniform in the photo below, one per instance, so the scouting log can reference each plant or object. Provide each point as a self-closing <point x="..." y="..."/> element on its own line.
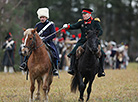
<point x="44" y="29"/>
<point x="85" y="24"/>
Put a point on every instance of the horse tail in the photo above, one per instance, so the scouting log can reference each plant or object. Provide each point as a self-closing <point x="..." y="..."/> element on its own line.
<point x="75" y="83"/>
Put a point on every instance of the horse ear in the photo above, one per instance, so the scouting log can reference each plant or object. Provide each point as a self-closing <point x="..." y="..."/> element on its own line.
<point x="24" y="29"/>
<point x="34" y="30"/>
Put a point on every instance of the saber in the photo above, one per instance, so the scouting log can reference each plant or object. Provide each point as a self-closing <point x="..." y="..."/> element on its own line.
<point x="53" y="33"/>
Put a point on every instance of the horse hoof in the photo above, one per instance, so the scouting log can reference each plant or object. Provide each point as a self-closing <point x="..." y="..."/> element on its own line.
<point x="80" y="100"/>
<point x="30" y="100"/>
<point x="45" y="100"/>
<point x="37" y="98"/>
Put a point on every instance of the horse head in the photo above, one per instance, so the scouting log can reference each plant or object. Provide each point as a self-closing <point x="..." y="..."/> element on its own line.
<point x="29" y="42"/>
<point x="92" y="41"/>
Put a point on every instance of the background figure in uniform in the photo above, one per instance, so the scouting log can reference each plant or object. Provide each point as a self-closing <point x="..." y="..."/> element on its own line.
<point x="9" y="48"/>
<point x="20" y="53"/>
<point x="126" y="57"/>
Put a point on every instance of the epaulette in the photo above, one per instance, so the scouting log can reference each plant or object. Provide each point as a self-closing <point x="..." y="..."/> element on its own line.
<point x="97" y="19"/>
<point x="79" y="20"/>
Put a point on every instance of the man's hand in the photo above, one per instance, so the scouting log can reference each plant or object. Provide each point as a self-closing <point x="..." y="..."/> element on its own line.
<point x="65" y="26"/>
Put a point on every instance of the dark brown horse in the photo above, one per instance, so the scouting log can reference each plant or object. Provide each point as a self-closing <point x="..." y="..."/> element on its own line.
<point x="87" y="66"/>
<point x="39" y="63"/>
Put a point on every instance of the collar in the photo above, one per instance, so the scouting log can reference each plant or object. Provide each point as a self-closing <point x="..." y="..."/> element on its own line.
<point x="88" y="21"/>
<point x="45" y="22"/>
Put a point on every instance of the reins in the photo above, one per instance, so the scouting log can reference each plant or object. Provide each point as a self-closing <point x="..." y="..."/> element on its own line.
<point x="31" y="48"/>
<point x="88" y="45"/>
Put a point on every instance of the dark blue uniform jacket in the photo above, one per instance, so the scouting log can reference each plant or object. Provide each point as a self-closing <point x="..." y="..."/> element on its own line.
<point x="46" y="33"/>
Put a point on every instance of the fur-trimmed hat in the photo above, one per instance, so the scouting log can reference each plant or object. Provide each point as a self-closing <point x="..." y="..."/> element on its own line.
<point x="43" y="12"/>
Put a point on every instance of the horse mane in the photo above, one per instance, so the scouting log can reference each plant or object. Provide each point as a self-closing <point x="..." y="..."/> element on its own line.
<point x="29" y="31"/>
<point x="93" y="32"/>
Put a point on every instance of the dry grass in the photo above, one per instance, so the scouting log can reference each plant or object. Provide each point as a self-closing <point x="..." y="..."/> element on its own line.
<point x="117" y="86"/>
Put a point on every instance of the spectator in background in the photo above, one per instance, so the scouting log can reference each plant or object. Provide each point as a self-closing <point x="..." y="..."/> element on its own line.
<point x="126" y="57"/>
<point x="63" y="34"/>
<point x="20" y="52"/>
<point x="73" y="37"/>
<point x="8" y="59"/>
<point x="137" y="59"/>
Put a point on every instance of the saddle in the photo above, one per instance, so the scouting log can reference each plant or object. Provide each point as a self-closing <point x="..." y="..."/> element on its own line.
<point x="49" y="49"/>
<point x="80" y="50"/>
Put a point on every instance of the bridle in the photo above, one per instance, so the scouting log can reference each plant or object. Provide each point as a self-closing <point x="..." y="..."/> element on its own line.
<point x="33" y="45"/>
<point x="91" y="50"/>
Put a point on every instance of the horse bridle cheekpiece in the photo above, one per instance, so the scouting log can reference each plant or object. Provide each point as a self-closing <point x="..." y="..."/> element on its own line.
<point x="89" y="37"/>
<point x="33" y="44"/>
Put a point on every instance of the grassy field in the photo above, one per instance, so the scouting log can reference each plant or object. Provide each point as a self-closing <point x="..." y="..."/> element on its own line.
<point x="116" y="86"/>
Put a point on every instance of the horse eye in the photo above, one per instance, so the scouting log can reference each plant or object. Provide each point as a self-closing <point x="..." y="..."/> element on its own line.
<point x="30" y="38"/>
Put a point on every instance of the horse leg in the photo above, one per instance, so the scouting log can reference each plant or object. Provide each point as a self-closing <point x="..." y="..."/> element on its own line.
<point x="38" y="91"/>
<point x="32" y="88"/>
<point x="81" y="87"/>
<point x="45" y="87"/>
<point x="82" y="90"/>
<point x="50" y="81"/>
<point x="89" y="89"/>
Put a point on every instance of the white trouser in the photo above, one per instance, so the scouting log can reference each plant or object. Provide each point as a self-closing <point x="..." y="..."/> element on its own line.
<point x="10" y="69"/>
<point x="5" y="69"/>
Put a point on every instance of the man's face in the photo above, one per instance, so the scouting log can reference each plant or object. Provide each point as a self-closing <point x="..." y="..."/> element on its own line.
<point x="86" y="16"/>
<point x="43" y="19"/>
<point x="9" y="39"/>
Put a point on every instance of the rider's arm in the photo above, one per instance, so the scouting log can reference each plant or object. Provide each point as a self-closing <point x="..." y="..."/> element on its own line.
<point x="73" y="26"/>
<point x="98" y="27"/>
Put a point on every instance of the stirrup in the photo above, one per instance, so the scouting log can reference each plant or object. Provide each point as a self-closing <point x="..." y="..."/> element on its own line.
<point x="55" y="73"/>
<point x="71" y="72"/>
<point x="23" y="66"/>
<point x="101" y="74"/>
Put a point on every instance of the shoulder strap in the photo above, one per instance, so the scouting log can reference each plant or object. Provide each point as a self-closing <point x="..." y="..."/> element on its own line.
<point x="9" y="44"/>
<point x="45" y="27"/>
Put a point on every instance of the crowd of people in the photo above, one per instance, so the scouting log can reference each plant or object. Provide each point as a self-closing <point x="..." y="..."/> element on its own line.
<point x="116" y="55"/>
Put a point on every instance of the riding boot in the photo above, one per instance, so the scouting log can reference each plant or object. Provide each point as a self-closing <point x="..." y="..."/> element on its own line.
<point x="23" y="66"/>
<point x="72" y="65"/>
<point x="101" y="70"/>
<point x="55" y="68"/>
